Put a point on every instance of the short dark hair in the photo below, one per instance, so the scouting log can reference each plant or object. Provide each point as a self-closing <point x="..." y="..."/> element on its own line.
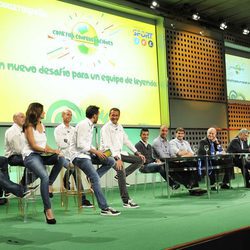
<point x="91" y="111"/>
<point x="114" y="109"/>
<point x="180" y="130"/>
<point x="144" y="130"/>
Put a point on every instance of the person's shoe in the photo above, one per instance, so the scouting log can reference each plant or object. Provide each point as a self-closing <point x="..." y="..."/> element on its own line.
<point x="130" y="204"/>
<point x="116" y="179"/>
<point x="224" y="186"/>
<point x="109" y="211"/>
<point x="201" y="191"/>
<point x="175" y="186"/>
<point x="49" y="221"/>
<point x="194" y="193"/>
<point x="3" y="201"/>
<point x="197" y="192"/>
<point x="86" y="203"/>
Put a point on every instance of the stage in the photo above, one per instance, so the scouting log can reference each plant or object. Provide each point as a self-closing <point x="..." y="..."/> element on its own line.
<point x="159" y="223"/>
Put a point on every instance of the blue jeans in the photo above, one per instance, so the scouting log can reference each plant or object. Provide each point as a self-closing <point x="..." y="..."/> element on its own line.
<point x="154" y="167"/>
<point x="36" y="163"/>
<point x="87" y="167"/>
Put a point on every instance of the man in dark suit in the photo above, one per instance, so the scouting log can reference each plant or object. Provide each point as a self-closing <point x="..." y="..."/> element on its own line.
<point x="210" y="146"/>
<point x="240" y="145"/>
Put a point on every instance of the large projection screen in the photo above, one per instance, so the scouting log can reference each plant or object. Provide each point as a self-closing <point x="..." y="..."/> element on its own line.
<point x="238" y="77"/>
<point x="69" y="56"/>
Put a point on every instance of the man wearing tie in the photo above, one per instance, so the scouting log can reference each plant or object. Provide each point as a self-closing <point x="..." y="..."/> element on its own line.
<point x="209" y="146"/>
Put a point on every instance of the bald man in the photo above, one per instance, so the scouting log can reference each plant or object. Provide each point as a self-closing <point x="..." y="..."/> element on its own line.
<point x="14" y="138"/>
<point x="63" y="135"/>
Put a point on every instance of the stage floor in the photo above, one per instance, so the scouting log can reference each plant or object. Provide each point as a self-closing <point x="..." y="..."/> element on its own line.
<point x="158" y="223"/>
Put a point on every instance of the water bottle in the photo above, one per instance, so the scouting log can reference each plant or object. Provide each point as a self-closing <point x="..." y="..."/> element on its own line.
<point x="199" y="167"/>
<point x="220" y="149"/>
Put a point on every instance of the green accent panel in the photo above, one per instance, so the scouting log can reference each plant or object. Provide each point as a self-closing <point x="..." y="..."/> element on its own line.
<point x="54" y="113"/>
<point x="2" y="132"/>
<point x="162" y="67"/>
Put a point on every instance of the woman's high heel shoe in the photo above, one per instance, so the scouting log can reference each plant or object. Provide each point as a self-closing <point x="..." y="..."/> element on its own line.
<point x="49" y="221"/>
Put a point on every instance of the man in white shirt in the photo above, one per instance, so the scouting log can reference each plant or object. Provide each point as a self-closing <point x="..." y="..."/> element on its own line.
<point x="84" y="155"/>
<point x="113" y="137"/>
<point x="63" y="135"/>
<point x="14" y="139"/>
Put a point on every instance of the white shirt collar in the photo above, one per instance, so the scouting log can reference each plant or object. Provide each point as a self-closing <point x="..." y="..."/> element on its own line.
<point x="112" y="124"/>
<point x="64" y="126"/>
<point x="91" y="124"/>
<point x="17" y="126"/>
<point x="146" y="144"/>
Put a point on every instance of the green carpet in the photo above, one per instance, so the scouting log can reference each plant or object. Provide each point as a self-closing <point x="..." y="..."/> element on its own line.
<point x="158" y="223"/>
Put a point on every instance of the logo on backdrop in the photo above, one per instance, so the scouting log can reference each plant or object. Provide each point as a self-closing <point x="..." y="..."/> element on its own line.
<point x="143" y="38"/>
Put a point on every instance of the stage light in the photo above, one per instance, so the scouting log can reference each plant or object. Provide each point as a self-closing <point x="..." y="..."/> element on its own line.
<point x="154" y="5"/>
<point x="245" y="31"/>
<point x="196" y="16"/>
<point x="223" y="25"/>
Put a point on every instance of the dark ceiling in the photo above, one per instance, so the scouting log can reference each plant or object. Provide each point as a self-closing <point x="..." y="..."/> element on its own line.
<point x="236" y="13"/>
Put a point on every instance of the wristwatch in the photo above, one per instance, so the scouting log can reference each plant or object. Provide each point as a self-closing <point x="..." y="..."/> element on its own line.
<point x="116" y="158"/>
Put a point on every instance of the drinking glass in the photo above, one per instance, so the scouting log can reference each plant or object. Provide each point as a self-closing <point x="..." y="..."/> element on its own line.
<point x="206" y="148"/>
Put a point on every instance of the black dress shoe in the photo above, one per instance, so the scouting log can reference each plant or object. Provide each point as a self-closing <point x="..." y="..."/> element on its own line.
<point x="3" y="201"/>
<point x="225" y="186"/>
<point x="49" y="221"/>
<point x="194" y="193"/>
<point x="175" y="186"/>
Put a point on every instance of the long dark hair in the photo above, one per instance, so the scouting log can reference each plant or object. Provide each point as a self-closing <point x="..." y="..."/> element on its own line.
<point x="33" y="113"/>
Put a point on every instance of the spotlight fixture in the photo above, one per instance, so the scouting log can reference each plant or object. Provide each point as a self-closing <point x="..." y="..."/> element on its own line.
<point x="245" y="31"/>
<point x="154" y="5"/>
<point x="223" y="25"/>
<point x="196" y="16"/>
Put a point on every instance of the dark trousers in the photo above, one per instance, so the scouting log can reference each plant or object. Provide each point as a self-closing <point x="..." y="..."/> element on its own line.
<point x="154" y="167"/>
<point x="245" y="171"/>
<point x="121" y="179"/>
<point x="187" y="178"/>
<point x="228" y="172"/>
<point x="17" y="160"/>
<point x="5" y="183"/>
<point x="136" y="163"/>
